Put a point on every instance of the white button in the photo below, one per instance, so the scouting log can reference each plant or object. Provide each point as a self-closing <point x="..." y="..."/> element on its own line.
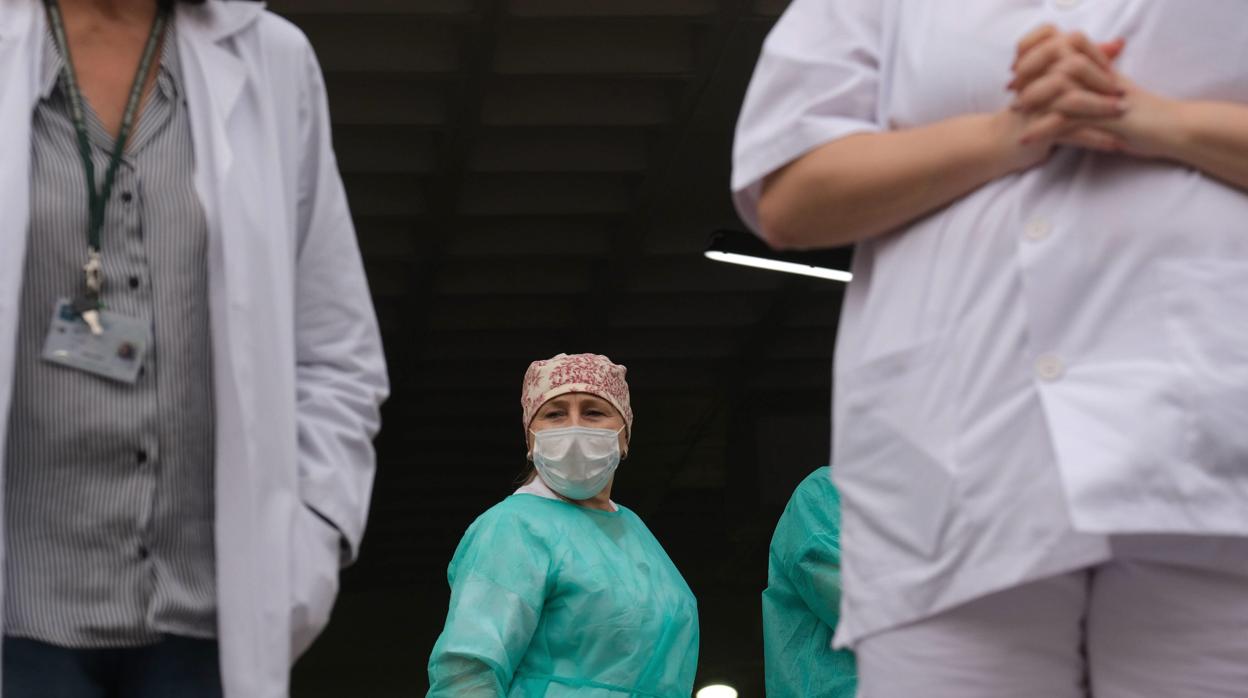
<point x="1049" y="368"/>
<point x="1038" y="230"/>
<point x="1067" y="4"/>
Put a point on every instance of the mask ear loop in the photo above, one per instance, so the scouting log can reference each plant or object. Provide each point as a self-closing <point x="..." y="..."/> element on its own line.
<point x="627" y="439"/>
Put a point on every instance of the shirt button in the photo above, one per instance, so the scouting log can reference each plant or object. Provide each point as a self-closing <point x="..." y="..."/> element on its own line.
<point x="1049" y="368"/>
<point x="1038" y="230"/>
<point x="140" y="457"/>
<point x="134" y="282"/>
<point x="127" y="197"/>
<point x="143" y="552"/>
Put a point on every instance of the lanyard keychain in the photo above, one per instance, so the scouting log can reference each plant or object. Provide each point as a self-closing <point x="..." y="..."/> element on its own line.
<point x="87" y="304"/>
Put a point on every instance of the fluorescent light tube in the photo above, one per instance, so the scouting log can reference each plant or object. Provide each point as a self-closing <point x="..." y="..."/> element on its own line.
<point x="777" y="265"/>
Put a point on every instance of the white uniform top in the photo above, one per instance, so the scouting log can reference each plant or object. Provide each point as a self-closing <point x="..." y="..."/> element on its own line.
<point x="1058" y="356"/>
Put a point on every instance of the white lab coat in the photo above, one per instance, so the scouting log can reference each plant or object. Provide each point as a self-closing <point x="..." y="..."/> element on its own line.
<point x="299" y="370"/>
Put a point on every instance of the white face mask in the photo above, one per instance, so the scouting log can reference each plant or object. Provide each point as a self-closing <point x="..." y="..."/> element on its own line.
<point x="576" y="462"/>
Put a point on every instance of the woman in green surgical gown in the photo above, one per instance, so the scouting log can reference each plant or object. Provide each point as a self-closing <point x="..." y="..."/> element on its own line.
<point x="558" y="591"/>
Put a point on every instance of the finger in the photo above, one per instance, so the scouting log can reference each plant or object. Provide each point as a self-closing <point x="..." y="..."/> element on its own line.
<point x="1082" y="104"/>
<point x="1040" y="93"/>
<point x="1058" y="93"/>
<point x="1078" y="71"/>
<point x="1084" y="45"/>
<point x="1035" y="63"/>
<point x="1089" y="75"/>
<point x="1067" y="48"/>
<point x="1093" y="139"/>
<point x="1113" y="49"/>
<point x="1047" y="127"/>
<point x="1034" y="38"/>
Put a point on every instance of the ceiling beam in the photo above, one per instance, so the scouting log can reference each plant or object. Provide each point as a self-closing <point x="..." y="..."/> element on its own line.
<point x="613" y="274"/>
<point x="477" y="52"/>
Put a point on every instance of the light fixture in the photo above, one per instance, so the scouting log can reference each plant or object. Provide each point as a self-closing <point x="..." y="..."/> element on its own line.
<point x="776" y="265"/>
<point x="736" y="247"/>
<point x="718" y="690"/>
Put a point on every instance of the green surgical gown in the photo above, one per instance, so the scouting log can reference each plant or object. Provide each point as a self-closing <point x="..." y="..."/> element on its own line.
<point x="801" y="604"/>
<point x="553" y="599"/>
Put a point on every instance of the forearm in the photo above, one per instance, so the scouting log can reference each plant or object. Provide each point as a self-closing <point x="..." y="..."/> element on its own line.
<point x="1212" y="137"/>
<point x="864" y="185"/>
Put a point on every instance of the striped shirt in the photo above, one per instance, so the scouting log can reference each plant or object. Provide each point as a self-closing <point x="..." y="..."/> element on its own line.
<point x="109" y="495"/>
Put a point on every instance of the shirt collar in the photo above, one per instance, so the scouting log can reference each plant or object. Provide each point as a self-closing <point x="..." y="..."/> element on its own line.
<point x="168" y="78"/>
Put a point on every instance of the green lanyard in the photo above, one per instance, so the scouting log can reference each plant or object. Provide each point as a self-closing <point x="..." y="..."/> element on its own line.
<point x="97" y="201"/>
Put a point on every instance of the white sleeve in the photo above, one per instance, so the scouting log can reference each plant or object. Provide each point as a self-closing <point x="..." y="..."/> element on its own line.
<point x="341" y="371"/>
<point x="817" y="80"/>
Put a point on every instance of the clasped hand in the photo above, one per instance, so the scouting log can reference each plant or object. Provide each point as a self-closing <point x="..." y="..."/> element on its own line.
<point x="1068" y="92"/>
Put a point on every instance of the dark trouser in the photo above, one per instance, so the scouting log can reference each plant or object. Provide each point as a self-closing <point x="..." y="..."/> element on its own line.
<point x="176" y="667"/>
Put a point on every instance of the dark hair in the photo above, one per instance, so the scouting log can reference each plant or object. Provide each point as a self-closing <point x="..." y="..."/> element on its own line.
<point x="526" y="475"/>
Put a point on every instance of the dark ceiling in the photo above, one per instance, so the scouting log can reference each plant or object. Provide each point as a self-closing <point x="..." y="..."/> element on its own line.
<point x="537" y="176"/>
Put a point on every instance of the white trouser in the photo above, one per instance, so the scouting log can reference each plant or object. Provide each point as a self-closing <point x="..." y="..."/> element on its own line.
<point x="1167" y="618"/>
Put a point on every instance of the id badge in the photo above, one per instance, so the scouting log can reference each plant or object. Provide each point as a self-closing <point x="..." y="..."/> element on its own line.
<point x="116" y="354"/>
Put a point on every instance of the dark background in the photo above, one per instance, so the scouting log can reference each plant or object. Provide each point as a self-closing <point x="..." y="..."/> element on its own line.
<point x="531" y="177"/>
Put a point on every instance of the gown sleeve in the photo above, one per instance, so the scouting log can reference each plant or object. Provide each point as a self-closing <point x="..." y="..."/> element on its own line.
<point x="807" y="546"/>
<point x="815" y="570"/>
<point x="806" y="552"/>
<point x="816" y="81"/>
<point x="499" y="579"/>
